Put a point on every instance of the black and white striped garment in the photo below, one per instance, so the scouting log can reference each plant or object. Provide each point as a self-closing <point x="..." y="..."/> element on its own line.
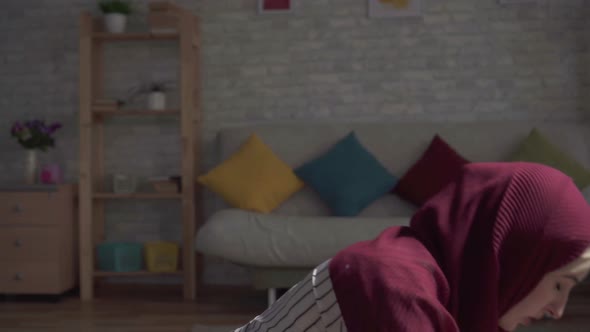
<point x="309" y="306"/>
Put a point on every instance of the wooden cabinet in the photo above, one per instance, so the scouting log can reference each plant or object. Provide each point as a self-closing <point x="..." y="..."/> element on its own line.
<point x="38" y="240"/>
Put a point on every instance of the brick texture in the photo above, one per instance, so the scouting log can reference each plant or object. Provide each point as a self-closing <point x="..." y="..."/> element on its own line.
<point x="462" y="60"/>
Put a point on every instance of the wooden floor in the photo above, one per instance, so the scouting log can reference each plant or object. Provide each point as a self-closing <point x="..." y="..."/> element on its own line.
<point x="142" y="311"/>
<point x="136" y="312"/>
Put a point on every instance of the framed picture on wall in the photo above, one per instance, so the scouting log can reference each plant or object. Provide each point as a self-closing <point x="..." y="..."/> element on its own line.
<point x="508" y="2"/>
<point x="394" y="8"/>
<point x="274" y="6"/>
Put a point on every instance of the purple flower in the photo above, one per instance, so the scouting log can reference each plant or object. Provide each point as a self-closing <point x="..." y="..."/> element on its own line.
<point x="35" y="124"/>
<point x="54" y="127"/>
<point x="35" y="134"/>
<point x="43" y="129"/>
<point x="17" y="127"/>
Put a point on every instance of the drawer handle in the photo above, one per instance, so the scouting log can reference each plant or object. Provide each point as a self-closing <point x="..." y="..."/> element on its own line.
<point x="17" y="208"/>
<point x="18" y="277"/>
<point x="17" y="243"/>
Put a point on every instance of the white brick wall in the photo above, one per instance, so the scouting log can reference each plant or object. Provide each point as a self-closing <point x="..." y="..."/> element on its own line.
<point x="465" y="59"/>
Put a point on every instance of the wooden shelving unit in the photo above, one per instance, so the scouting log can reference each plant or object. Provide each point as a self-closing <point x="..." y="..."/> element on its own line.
<point x="92" y="195"/>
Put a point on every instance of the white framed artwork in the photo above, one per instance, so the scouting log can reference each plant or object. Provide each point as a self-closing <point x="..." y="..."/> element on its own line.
<point x="508" y="2"/>
<point x="394" y="8"/>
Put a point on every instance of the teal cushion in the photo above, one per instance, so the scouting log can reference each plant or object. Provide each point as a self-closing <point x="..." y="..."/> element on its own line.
<point x="347" y="177"/>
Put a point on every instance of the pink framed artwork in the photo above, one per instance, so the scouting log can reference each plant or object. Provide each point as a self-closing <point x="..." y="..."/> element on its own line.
<point x="274" y="6"/>
<point x="394" y="8"/>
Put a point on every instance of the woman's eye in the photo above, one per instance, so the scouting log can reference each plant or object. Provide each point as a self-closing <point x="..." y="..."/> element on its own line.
<point x="558" y="286"/>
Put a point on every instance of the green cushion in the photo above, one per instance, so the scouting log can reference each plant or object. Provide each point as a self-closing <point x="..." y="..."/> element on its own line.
<point x="537" y="148"/>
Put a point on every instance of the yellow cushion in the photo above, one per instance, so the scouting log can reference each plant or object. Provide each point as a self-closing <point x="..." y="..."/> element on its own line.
<point x="253" y="178"/>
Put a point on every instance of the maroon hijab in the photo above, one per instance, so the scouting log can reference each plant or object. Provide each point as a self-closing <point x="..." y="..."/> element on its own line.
<point x="470" y="253"/>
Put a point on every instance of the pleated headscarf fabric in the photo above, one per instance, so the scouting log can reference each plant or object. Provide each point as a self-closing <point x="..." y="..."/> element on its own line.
<point x="470" y="253"/>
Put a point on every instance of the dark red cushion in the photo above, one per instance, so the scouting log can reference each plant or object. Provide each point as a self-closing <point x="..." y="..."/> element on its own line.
<point x="437" y="166"/>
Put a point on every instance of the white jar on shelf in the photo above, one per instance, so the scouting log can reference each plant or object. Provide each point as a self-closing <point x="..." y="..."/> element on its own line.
<point x="115" y="22"/>
<point x="156" y="100"/>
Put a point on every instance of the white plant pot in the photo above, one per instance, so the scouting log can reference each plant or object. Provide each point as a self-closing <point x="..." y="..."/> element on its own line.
<point x="115" y="22"/>
<point x="157" y="100"/>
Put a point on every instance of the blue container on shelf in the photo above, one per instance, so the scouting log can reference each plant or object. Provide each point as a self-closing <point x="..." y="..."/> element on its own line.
<point x="120" y="256"/>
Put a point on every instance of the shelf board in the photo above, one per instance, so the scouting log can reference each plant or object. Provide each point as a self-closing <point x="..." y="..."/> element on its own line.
<point x="130" y="112"/>
<point x="105" y="195"/>
<point x="105" y="36"/>
<point x="135" y="274"/>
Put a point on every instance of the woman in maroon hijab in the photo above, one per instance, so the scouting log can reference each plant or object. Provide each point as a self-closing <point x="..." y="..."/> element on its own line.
<point x="499" y="247"/>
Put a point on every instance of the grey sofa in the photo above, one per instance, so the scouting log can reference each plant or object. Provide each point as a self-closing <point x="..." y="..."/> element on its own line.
<point x="280" y="248"/>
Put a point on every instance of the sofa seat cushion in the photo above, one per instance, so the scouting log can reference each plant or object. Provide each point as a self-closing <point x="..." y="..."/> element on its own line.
<point x="270" y="240"/>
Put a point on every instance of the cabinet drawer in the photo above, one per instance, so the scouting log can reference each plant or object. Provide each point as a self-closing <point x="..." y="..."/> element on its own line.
<point x="17" y="244"/>
<point x="35" y="208"/>
<point x="29" y="278"/>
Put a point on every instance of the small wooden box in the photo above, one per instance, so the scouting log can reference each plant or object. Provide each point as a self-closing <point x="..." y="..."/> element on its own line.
<point x="165" y="184"/>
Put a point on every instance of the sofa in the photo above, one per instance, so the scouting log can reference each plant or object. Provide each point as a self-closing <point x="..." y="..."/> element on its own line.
<point x="281" y="246"/>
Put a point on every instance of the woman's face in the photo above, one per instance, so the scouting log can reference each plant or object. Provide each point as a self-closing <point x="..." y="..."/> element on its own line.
<point x="549" y="298"/>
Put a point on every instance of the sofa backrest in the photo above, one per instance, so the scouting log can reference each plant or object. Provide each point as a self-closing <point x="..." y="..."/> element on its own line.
<point x="397" y="146"/>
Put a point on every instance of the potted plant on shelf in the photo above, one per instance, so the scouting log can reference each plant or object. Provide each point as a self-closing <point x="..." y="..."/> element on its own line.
<point x="34" y="136"/>
<point x="115" y="14"/>
<point x="154" y="91"/>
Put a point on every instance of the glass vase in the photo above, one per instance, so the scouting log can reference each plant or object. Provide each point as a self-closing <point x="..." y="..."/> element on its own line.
<point x="31" y="166"/>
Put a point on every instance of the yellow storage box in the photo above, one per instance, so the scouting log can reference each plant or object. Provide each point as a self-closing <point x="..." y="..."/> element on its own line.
<point x="161" y="256"/>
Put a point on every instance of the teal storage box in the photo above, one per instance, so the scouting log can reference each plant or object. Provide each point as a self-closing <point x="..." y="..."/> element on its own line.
<point x="120" y="257"/>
